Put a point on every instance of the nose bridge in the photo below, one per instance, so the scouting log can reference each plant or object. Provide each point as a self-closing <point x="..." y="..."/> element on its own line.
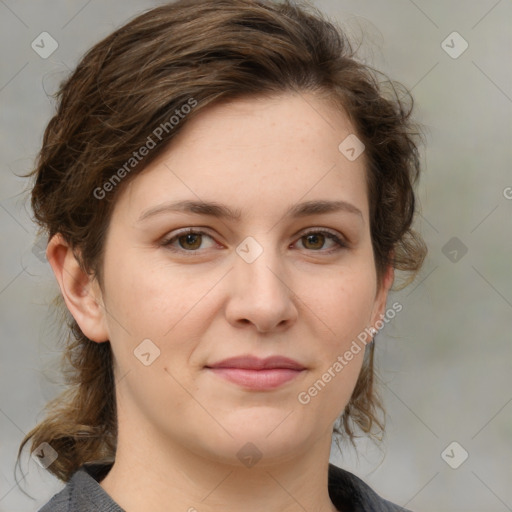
<point x="261" y="294"/>
<point x="258" y="266"/>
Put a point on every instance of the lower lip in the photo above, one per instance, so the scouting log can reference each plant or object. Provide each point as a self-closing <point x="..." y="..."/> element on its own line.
<point x="257" y="379"/>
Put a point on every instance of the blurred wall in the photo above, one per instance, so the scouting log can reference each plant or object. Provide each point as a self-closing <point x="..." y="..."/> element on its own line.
<point x="444" y="361"/>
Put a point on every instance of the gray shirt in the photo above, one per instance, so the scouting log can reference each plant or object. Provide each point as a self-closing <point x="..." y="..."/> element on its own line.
<point x="83" y="493"/>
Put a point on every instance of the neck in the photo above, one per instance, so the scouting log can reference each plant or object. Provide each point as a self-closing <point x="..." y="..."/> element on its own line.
<point x="162" y="476"/>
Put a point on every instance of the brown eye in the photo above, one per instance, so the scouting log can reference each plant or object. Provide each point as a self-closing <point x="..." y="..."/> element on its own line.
<point x="190" y="241"/>
<point x="314" y="241"/>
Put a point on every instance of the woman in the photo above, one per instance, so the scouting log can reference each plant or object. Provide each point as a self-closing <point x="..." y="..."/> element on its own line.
<point x="227" y="193"/>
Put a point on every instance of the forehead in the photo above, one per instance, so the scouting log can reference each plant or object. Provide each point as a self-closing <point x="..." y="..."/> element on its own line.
<point x="256" y="154"/>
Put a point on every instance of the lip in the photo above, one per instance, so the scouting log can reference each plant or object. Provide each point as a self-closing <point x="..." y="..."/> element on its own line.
<point x="257" y="374"/>
<point x="249" y="362"/>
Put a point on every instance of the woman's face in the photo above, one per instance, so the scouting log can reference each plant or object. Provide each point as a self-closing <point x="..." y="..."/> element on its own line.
<point x="272" y="282"/>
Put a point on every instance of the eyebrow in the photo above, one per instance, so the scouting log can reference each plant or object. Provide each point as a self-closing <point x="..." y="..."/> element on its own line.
<point x="221" y="211"/>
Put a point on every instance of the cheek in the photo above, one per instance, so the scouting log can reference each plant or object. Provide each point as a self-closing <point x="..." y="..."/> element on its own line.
<point x="345" y="306"/>
<point x="150" y="299"/>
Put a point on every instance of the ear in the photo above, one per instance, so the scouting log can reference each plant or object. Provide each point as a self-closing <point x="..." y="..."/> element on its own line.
<point x="80" y="290"/>
<point x="382" y="295"/>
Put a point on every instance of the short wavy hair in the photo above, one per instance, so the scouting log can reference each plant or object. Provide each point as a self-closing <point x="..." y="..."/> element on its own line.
<point x="129" y="83"/>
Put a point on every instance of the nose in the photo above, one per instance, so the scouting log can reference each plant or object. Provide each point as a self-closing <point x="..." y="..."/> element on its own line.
<point x="260" y="294"/>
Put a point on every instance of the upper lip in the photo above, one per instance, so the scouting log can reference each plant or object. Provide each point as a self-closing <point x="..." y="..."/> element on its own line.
<point x="255" y="363"/>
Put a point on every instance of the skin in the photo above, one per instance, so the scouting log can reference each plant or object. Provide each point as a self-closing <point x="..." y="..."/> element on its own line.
<point x="180" y="426"/>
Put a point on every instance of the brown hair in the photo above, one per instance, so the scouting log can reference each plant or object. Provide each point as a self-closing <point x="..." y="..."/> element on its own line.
<point x="132" y="82"/>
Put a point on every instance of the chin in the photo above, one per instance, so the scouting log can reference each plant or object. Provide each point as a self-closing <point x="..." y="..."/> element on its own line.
<point x="269" y="440"/>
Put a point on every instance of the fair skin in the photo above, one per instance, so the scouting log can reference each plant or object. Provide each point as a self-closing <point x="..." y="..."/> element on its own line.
<point x="181" y="424"/>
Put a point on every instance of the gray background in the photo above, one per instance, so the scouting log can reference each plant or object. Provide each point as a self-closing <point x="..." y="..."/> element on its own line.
<point x="444" y="360"/>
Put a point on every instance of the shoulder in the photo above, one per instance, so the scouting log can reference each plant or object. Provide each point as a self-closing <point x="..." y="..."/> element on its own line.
<point x="347" y="491"/>
<point x="83" y="492"/>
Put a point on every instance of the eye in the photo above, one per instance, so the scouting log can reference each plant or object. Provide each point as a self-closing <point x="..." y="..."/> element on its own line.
<point x="188" y="240"/>
<point x="315" y="240"/>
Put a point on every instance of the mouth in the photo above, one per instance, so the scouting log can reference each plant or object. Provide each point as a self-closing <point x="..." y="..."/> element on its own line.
<point x="257" y="374"/>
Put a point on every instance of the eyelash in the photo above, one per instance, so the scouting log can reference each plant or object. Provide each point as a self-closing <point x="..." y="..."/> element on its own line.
<point x="341" y="244"/>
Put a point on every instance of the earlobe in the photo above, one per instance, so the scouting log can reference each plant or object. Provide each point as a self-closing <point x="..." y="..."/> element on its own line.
<point x="80" y="290"/>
